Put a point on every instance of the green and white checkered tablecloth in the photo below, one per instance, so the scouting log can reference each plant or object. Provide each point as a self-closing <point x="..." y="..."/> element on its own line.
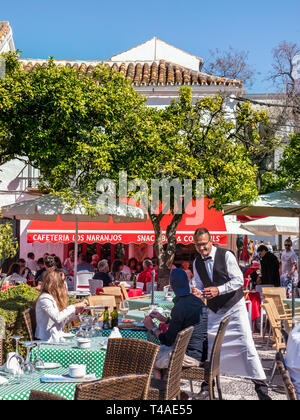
<point x="159" y="300"/>
<point x="93" y="358"/>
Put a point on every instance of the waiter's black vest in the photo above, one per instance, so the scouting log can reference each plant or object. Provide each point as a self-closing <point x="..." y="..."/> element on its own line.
<point x="220" y="277"/>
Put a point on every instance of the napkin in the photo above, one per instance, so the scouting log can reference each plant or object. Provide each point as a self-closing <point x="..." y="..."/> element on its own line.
<point x="12" y="365"/>
<point x="115" y="333"/>
<point x="62" y="378"/>
<point x="3" y="380"/>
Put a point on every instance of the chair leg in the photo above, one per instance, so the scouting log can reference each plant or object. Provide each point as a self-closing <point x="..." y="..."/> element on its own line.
<point x="219" y="387"/>
<point x="211" y="388"/>
<point x="273" y="372"/>
<point x="191" y="386"/>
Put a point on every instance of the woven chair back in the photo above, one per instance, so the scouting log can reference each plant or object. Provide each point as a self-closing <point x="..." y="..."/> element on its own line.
<point x="175" y="366"/>
<point x="129" y="387"/>
<point x="30" y="322"/>
<point x="44" y="396"/>
<point x="126" y="356"/>
<point x="289" y="388"/>
<point x="217" y="347"/>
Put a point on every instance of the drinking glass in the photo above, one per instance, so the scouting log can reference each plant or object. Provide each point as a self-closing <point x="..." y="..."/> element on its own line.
<point x="38" y="361"/>
<point x="20" y="359"/>
<point x="125" y="307"/>
<point x="28" y="367"/>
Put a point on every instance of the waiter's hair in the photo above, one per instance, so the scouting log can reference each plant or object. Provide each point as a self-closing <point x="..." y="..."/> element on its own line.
<point x="201" y="231"/>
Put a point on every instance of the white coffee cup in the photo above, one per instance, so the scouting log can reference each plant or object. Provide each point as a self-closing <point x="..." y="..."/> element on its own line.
<point x="77" y="371"/>
<point x="84" y="343"/>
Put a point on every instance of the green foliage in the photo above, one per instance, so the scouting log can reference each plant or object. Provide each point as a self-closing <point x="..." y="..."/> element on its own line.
<point x="13" y="302"/>
<point x="8" y="243"/>
<point x="287" y="175"/>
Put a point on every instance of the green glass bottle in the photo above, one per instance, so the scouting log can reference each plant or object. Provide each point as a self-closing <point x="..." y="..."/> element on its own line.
<point x="114" y="318"/>
<point x="106" y="325"/>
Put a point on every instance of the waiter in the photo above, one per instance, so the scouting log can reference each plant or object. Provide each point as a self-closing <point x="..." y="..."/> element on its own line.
<point x="219" y="280"/>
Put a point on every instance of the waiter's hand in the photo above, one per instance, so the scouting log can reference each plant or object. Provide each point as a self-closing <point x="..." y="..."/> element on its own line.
<point x="210" y="292"/>
<point x="196" y="292"/>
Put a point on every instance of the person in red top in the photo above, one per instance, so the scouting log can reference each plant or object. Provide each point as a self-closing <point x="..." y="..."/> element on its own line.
<point x="254" y="266"/>
<point x="146" y="275"/>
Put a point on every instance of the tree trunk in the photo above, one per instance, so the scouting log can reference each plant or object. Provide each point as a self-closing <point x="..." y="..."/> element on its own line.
<point x="165" y="255"/>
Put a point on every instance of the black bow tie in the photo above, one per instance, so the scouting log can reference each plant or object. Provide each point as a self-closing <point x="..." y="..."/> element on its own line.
<point x="207" y="258"/>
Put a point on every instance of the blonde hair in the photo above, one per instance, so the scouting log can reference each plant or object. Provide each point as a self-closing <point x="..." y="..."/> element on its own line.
<point x="54" y="284"/>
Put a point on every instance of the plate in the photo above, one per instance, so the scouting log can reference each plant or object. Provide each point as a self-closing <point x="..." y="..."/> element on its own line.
<point x="68" y="335"/>
<point x="125" y="320"/>
<point x="49" y="365"/>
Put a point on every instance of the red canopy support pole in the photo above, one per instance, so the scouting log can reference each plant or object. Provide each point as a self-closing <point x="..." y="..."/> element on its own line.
<point x="112" y="253"/>
<point x="98" y="250"/>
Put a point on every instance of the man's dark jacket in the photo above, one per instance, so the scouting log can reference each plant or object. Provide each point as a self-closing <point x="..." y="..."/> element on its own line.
<point x="188" y="311"/>
<point x="270" y="269"/>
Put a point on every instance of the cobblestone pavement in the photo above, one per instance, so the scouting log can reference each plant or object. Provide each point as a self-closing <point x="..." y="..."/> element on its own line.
<point x="243" y="389"/>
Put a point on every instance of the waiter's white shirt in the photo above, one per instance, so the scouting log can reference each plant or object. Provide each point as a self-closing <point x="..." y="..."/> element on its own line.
<point x="238" y="356"/>
<point x="233" y="271"/>
<point x="292" y="357"/>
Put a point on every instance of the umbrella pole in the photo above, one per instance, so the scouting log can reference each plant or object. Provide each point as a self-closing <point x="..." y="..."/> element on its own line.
<point x="152" y="287"/>
<point x="76" y="253"/>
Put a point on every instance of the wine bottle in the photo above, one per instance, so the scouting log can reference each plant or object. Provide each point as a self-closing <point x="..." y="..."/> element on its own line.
<point x="106" y="325"/>
<point x="114" y="318"/>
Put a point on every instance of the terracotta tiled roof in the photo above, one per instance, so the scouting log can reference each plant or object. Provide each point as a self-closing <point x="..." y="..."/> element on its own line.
<point x="154" y="73"/>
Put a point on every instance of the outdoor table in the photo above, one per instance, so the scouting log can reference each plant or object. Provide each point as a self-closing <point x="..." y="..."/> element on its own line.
<point x="159" y="300"/>
<point x="255" y="299"/>
<point x="68" y="354"/>
<point x="134" y="292"/>
<point x="289" y="302"/>
<point x="131" y="292"/>
<point x="22" y="391"/>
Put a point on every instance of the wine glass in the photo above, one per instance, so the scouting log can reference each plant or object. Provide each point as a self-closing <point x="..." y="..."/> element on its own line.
<point x="38" y="361"/>
<point x="28" y="367"/>
<point x="20" y="359"/>
<point x="125" y="307"/>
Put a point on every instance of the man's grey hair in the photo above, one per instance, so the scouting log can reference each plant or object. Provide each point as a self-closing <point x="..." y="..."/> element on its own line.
<point x="102" y="265"/>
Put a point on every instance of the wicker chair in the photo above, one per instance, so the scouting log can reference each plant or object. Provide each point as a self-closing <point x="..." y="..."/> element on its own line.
<point x="129" y="387"/>
<point x="210" y="369"/>
<point x="130" y="356"/>
<point x="44" y="396"/>
<point x="168" y="388"/>
<point x="290" y="390"/>
<point x="30" y="322"/>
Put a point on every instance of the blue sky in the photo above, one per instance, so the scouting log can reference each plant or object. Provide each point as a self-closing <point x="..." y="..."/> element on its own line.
<point x="94" y="29"/>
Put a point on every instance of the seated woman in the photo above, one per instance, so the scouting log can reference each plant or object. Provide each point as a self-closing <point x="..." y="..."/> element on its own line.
<point x="116" y="271"/>
<point x="13" y="275"/>
<point x="52" y="310"/>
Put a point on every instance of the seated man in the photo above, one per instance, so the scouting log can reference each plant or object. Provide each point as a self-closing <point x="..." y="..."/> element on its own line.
<point x="102" y="274"/>
<point x="83" y="265"/>
<point x="187" y="311"/>
<point x="292" y="359"/>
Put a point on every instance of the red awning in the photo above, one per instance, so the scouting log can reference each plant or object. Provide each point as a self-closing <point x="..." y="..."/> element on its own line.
<point x="126" y="233"/>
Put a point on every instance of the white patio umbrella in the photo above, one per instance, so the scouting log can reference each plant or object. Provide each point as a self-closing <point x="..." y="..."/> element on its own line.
<point x="279" y="204"/>
<point x="274" y="225"/>
<point x="47" y="207"/>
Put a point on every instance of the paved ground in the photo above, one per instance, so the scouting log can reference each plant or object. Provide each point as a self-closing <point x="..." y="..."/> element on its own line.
<point x="243" y="389"/>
